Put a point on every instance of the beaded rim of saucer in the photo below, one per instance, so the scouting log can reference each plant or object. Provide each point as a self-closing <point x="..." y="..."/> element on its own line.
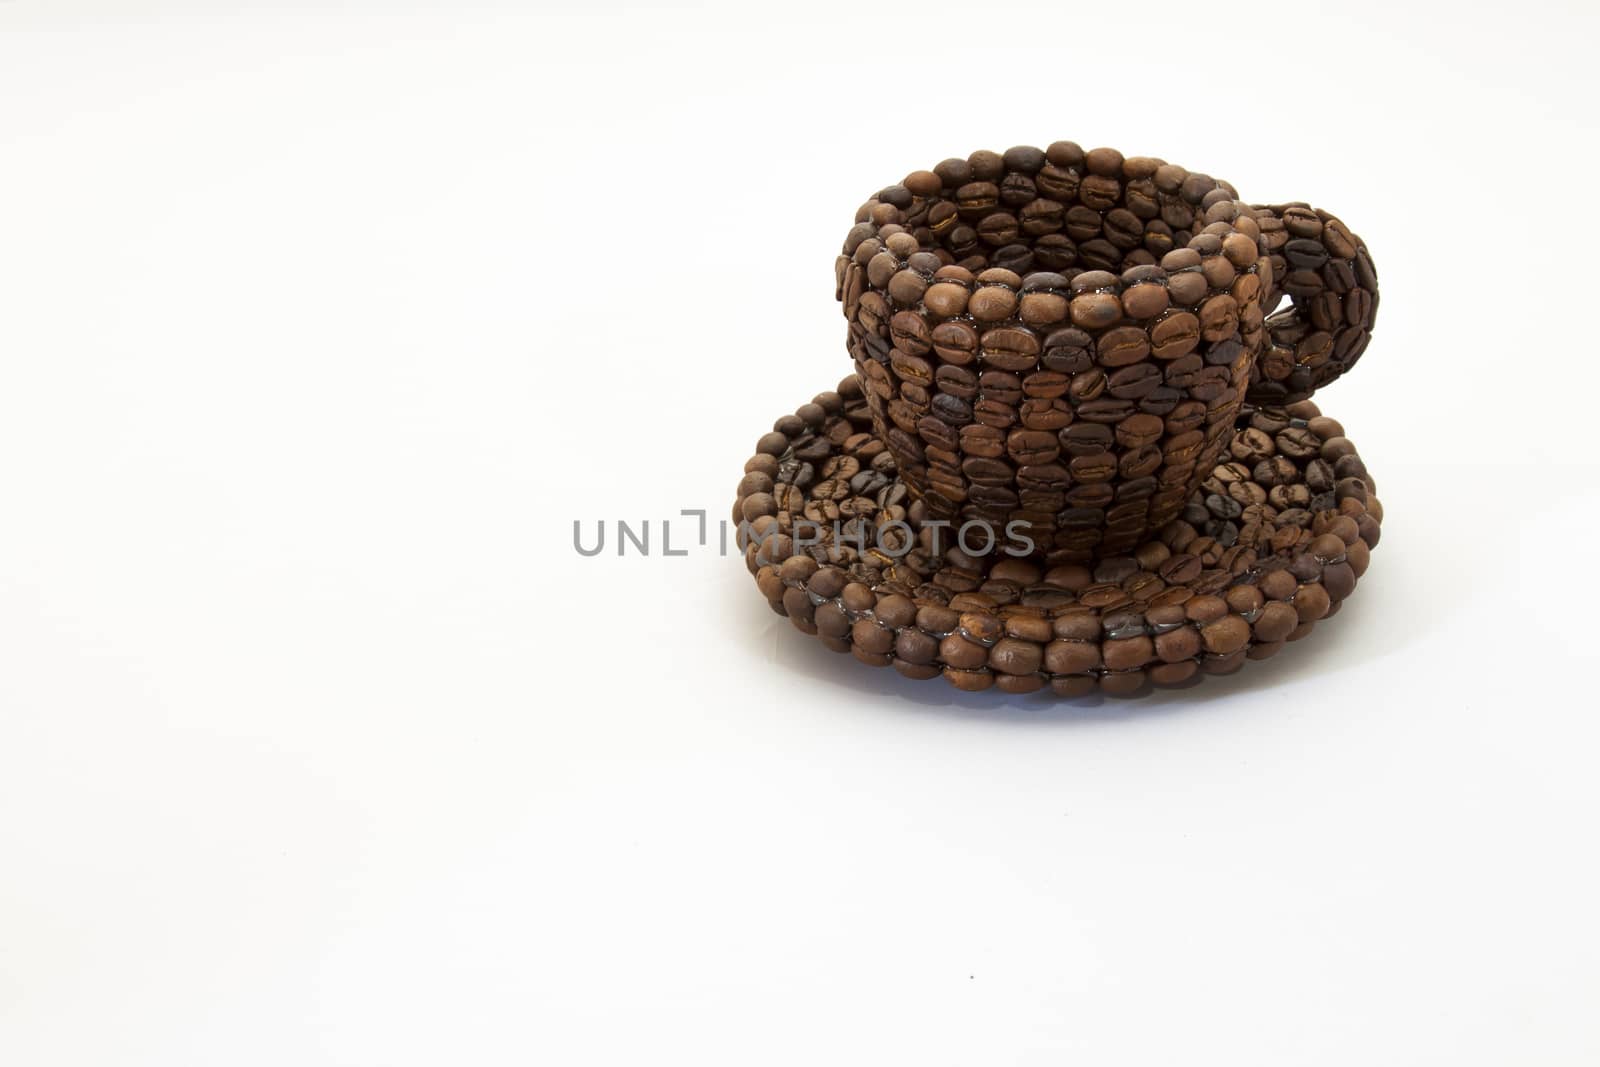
<point x="1177" y="608"/>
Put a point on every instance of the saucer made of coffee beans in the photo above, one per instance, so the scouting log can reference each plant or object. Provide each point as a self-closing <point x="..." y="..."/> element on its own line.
<point x="1271" y="544"/>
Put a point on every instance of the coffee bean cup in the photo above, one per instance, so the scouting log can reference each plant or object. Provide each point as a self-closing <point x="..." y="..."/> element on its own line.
<point x="1056" y="343"/>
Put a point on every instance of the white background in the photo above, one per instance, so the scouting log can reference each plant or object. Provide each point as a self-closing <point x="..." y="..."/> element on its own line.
<point x="319" y="744"/>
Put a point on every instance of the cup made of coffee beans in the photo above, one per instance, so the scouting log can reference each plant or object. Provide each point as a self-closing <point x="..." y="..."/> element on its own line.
<point x="1056" y="343"/>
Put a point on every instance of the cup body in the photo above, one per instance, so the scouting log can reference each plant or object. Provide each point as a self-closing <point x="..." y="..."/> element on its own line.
<point x="1055" y="344"/>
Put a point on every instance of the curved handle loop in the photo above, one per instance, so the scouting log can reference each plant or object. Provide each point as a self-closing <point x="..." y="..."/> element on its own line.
<point x="1327" y="273"/>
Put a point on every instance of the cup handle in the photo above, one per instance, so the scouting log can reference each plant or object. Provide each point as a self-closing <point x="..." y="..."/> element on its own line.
<point x="1327" y="273"/>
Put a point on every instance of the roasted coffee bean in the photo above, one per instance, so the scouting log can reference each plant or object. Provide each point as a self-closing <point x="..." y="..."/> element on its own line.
<point x="1137" y="464"/>
<point x="1098" y="467"/>
<point x="1351" y="467"/>
<point x="1100" y="255"/>
<point x="1109" y="410"/>
<point x="1018" y="190"/>
<point x="1000" y="387"/>
<point x="1187" y="288"/>
<point x="1160" y="400"/>
<point x="1017" y="258"/>
<point x="1134" y="382"/>
<point x="977" y="198"/>
<point x="1298" y="443"/>
<point x="1175" y="335"/>
<point x="1137" y="431"/>
<point x="1145" y="300"/>
<point x="956" y="381"/>
<point x="1046" y="385"/>
<point x="1042" y="309"/>
<point x="1068" y="361"/>
<point x="1123" y="228"/>
<point x="995" y="411"/>
<point x="937" y="432"/>
<point x="1122" y="346"/>
<point x="1224" y="354"/>
<point x="1039" y="413"/>
<point x="1054" y="251"/>
<point x="1088" y="499"/>
<point x="1305" y="254"/>
<point x="1014" y="656"/>
<point x="755" y="482"/>
<point x="1095" y="310"/>
<point x="983" y="441"/>
<point x="992" y="303"/>
<point x="1042" y="477"/>
<point x="1033" y="446"/>
<point x="952" y="411"/>
<point x="1087" y="385"/>
<point x="1009" y="347"/>
<point x="1082" y="223"/>
<point x="1086" y="438"/>
<point x="1226" y="635"/>
<point x="1219" y="318"/>
<point x="955" y="342"/>
<point x="985" y="471"/>
<point x="910" y="368"/>
<point x="1223" y="507"/>
<point x="1023" y="159"/>
<point x="946" y="299"/>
